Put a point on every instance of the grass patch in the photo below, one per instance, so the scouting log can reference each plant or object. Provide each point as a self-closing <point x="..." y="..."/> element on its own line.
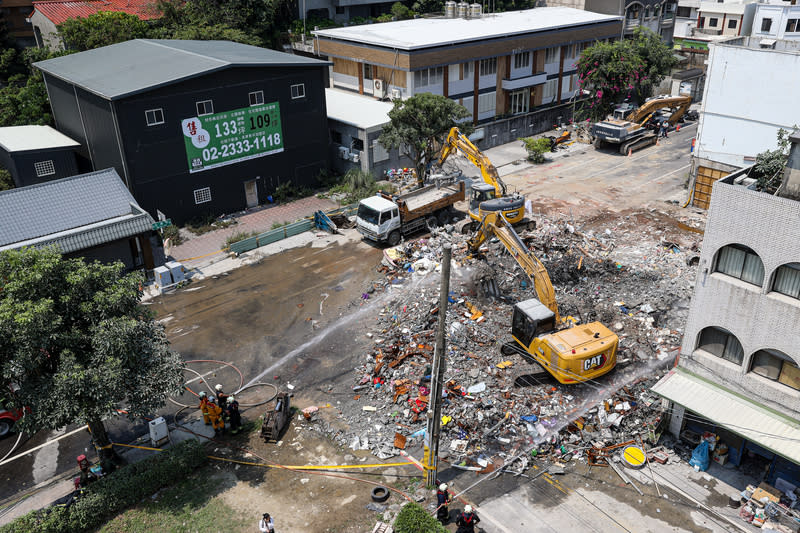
<point x="205" y="223"/>
<point x="356" y="185"/>
<point x="238" y="236"/>
<point x="276" y="225"/>
<point x="191" y="505"/>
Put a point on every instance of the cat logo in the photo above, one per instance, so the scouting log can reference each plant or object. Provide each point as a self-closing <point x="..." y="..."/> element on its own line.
<point x="510" y="215"/>
<point x="594" y="362"/>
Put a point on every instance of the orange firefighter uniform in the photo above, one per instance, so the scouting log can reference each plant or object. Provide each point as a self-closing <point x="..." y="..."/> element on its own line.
<point x="215" y="414"/>
<point x="204" y="409"/>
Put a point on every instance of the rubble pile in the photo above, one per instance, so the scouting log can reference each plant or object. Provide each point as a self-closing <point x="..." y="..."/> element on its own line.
<point x="497" y="409"/>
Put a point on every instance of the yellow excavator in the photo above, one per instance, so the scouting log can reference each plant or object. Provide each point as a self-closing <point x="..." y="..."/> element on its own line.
<point x="572" y="354"/>
<point x="491" y="195"/>
<point x="633" y="129"/>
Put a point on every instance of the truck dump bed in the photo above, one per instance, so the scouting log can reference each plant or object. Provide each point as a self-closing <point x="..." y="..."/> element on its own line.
<point x="430" y="199"/>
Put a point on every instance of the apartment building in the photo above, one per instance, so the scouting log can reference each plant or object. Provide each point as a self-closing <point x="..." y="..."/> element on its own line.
<point x="698" y="23"/>
<point x="738" y="372"/>
<point x="496" y="65"/>
<point x="656" y="15"/>
<point x="776" y="20"/>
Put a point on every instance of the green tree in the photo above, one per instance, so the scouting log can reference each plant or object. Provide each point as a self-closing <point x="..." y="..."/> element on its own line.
<point x="6" y="181"/>
<point x="76" y="345"/>
<point x="401" y="12"/>
<point x="630" y="68"/>
<point x="421" y="123"/>
<point x="101" y="29"/>
<point x="536" y="148"/>
<point x="412" y="518"/>
<point x="770" y="164"/>
<point x="24" y="99"/>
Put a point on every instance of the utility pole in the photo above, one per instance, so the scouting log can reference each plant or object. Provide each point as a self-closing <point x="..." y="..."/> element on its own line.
<point x="435" y="399"/>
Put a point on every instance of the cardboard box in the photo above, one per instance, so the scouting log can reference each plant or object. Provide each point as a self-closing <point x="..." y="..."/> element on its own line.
<point x="720" y="459"/>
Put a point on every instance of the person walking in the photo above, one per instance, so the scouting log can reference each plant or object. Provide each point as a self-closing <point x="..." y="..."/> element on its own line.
<point x="443" y="498"/>
<point x="467" y="520"/>
<point x="663" y="128"/>
<point x="266" y="524"/>
<point x="234" y="418"/>
<point x="204" y="407"/>
<point x="215" y="414"/>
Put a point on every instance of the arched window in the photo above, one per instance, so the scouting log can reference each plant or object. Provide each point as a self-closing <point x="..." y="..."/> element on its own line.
<point x="787" y="280"/>
<point x="656" y="10"/>
<point x="777" y="366"/>
<point x="740" y="262"/>
<point x="722" y="343"/>
<point x="647" y="12"/>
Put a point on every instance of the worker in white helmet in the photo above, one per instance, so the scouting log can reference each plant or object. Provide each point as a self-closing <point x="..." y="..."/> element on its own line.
<point x="222" y="398"/>
<point x="467" y="520"/>
<point x="232" y="411"/>
<point x="443" y="498"/>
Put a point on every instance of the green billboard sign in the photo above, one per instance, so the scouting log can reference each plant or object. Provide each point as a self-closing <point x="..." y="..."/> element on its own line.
<point x="229" y="137"/>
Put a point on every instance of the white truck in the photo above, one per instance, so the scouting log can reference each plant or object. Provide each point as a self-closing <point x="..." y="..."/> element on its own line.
<point x="385" y="218"/>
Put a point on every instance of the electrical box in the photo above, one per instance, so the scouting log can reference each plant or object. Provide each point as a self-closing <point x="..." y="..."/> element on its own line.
<point x="176" y="270"/>
<point x="159" y="432"/>
<point x="163" y="277"/>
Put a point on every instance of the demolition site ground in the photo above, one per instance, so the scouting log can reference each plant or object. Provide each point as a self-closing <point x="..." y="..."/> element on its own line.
<point x="348" y="328"/>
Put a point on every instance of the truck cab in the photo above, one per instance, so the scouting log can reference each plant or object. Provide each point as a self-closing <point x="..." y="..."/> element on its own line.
<point x="377" y="218"/>
<point x="573" y="355"/>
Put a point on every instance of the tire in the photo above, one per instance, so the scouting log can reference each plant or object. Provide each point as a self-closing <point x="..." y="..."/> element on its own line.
<point x="599" y="143"/>
<point x="432" y="222"/>
<point x="444" y="217"/>
<point x="380" y="494"/>
<point x="508" y="348"/>
<point x="468" y="228"/>
<point x="5" y="427"/>
<point x="394" y="238"/>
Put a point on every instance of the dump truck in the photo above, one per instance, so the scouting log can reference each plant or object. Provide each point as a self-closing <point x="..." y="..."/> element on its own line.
<point x="384" y="218"/>
<point x="571" y="353"/>
<point x="632" y="129"/>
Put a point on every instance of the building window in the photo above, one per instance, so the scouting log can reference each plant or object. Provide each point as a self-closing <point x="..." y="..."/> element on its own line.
<point x="549" y="90"/>
<point x="712" y="22"/>
<point x="766" y="25"/>
<point x="202" y="196"/>
<point x="206" y="107"/>
<point x="787" y="280"/>
<point x="647" y="12"/>
<point x="336" y="137"/>
<point x="793" y="25"/>
<point x="777" y="366"/>
<point x="571" y="49"/>
<point x="740" y="262"/>
<point x="298" y="91"/>
<point x="357" y="144"/>
<point x="469" y="70"/>
<point x="732" y="24"/>
<point x="721" y="343"/>
<point x="367" y="71"/>
<point x="551" y="55"/>
<point x="340" y="10"/>
<point x="428" y="76"/>
<point x="488" y="67"/>
<point x="520" y="101"/>
<point x="656" y="11"/>
<point x="685" y="12"/>
<point x="44" y="168"/>
<point x="154" y="117"/>
<point x="702" y="23"/>
<point x="522" y="60"/>
<point x="487" y="103"/>
<point x="256" y="98"/>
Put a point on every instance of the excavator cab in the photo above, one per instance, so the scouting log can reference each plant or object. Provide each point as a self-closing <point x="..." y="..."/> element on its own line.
<point x="531" y="319"/>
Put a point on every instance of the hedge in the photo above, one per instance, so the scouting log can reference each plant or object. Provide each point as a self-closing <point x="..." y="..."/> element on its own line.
<point x="110" y="495"/>
<point x="415" y="519"/>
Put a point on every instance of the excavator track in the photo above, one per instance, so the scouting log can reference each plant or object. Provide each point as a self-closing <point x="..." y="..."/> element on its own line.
<point x="648" y="139"/>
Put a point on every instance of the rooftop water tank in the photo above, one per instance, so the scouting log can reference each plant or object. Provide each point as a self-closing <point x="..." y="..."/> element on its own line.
<point x="450" y="9"/>
<point x="475" y="11"/>
<point x="463" y="10"/>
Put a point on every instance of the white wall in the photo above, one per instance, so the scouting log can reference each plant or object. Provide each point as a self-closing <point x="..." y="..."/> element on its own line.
<point x="749" y="94"/>
<point x="779" y="15"/>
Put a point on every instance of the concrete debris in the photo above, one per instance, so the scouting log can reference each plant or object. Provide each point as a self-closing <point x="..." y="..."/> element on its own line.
<point x="496" y="405"/>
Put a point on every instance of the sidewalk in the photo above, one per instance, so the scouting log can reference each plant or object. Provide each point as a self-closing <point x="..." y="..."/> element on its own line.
<point x="202" y="250"/>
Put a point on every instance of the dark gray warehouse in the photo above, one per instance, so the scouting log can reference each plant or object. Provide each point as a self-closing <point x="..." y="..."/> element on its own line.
<point x="193" y="127"/>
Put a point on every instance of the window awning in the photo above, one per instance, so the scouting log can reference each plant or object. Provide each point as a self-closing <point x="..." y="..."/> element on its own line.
<point x="772" y="430"/>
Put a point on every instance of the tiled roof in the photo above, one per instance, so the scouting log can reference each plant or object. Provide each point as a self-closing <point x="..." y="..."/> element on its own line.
<point x="60" y="10"/>
<point x="74" y="213"/>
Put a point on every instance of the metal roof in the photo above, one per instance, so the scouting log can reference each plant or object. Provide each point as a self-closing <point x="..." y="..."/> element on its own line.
<point x="73" y="213"/>
<point x="57" y="11"/>
<point x="362" y="112"/>
<point x="431" y="32"/>
<point x="140" y="65"/>
<point x="769" y="429"/>
<point x="26" y="138"/>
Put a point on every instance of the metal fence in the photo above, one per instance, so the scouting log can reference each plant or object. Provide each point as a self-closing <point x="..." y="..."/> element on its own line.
<point x="289" y="230"/>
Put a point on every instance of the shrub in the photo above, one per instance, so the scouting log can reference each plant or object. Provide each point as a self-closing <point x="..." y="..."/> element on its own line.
<point x="238" y="236"/>
<point x="414" y="519"/>
<point x="173" y="234"/>
<point x="536" y="148"/>
<point x="110" y="495"/>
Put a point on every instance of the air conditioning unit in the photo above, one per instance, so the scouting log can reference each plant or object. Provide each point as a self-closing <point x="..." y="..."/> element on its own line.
<point x="344" y="153"/>
<point x="379" y="88"/>
<point x="397" y="94"/>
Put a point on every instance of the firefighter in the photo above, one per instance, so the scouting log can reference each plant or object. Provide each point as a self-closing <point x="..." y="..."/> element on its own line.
<point x="467" y="520"/>
<point x="443" y="498"/>
<point x="222" y="398"/>
<point x="204" y="407"/>
<point x="215" y="414"/>
<point x="234" y="418"/>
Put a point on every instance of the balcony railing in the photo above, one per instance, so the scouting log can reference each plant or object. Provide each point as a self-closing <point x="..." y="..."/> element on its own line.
<point x="528" y="81"/>
<point x="631" y="24"/>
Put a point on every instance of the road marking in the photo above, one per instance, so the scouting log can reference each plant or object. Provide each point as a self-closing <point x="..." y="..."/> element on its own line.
<point x="647" y="183"/>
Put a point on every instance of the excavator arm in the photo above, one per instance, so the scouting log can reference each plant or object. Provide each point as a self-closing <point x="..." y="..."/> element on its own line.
<point x="495" y="225"/>
<point x="458" y="141"/>
<point x="643" y="113"/>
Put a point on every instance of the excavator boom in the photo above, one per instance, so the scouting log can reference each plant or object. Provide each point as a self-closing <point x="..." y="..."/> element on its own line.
<point x="643" y="113"/>
<point x="495" y="225"/>
<point x="458" y="141"/>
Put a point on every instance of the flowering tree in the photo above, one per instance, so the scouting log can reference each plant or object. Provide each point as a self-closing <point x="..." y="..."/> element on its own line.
<point x="626" y="69"/>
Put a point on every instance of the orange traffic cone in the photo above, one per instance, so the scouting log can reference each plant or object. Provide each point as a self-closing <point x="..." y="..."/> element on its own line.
<point x="677" y="127"/>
